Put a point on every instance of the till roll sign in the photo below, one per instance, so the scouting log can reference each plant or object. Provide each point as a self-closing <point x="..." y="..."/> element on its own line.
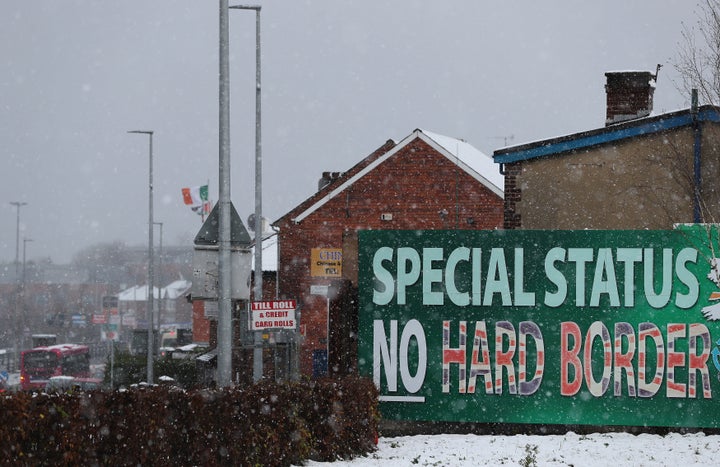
<point x="273" y="314"/>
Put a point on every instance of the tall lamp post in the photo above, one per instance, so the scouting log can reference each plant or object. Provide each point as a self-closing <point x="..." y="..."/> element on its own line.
<point x="258" y="286"/>
<point x="151" y="287"/>
<point x="160" y="274"/>
<point x="18" y="205"/>
<point x="22" y="294"/>
<point x="224" y="325"/>
<point x="18" y="338"/>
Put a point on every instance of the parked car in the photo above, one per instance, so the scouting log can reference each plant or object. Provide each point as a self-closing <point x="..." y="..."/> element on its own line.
<point x="71" y="383"/>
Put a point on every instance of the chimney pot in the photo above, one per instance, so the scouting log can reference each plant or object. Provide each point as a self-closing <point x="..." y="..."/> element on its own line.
<point x="327" y="178"/>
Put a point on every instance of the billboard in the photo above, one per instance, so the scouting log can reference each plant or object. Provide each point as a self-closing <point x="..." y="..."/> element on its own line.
<point x="555" y="327"/>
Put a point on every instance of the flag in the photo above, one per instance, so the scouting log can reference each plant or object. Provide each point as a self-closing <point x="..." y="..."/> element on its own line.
<point x="204" y="209"/>
<point x="196" y="195"/>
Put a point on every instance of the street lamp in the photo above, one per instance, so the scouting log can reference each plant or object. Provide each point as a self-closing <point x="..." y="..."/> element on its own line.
<point x="22" y="294"/>
<point x="18" y="205"/>
<point x="151" y="288"/>
<point x="258" y="288"/>
<point x="160" y="273"/>
<point x="18" y="337"/>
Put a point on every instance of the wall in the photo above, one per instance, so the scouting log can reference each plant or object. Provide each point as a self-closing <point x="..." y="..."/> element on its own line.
<point x="641" y="183"/>
<point x="420" y="188"/>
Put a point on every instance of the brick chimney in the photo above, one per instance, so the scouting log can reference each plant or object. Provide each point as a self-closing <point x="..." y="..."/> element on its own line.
<point x="629" y="95"/>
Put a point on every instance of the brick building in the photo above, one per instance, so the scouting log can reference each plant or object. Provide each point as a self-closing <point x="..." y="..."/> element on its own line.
<point x="426" y="181"/>
<point x="640" y="171"/>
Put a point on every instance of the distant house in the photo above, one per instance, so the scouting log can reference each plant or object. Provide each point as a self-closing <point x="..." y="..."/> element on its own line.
<point x="426" y="181"/>
<point x="171" y="307"/>
<point x="639" y="171"/>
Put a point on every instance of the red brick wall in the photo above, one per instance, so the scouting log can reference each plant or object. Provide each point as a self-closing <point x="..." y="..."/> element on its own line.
<point x="420" y="188"/>
<point x="513" y="195"/>
<point x="201" y="325"/>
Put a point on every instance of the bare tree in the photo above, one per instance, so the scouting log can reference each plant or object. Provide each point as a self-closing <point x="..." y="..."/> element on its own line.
<point x="698" y="61"/>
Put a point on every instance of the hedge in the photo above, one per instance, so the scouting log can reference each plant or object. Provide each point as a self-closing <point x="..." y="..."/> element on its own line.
<point x="264" y="424"/>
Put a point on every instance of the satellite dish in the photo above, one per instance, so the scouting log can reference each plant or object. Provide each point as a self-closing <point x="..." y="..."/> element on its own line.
<point x="264" y="226"/>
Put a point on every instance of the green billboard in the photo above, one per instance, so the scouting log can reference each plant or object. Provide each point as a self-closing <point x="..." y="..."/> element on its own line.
<point x="556" y="327"/>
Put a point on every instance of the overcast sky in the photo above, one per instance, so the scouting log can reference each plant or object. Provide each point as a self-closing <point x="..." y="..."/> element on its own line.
<point x="339" y="79"/>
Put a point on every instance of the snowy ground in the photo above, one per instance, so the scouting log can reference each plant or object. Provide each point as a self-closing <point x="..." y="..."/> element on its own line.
<point x="607" y="449"/>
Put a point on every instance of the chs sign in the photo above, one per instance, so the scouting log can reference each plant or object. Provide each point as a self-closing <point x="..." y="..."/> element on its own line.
<point x="567" y="327"/>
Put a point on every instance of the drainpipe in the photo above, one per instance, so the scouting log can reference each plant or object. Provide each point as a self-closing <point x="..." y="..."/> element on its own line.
<point x="697" y="178"/>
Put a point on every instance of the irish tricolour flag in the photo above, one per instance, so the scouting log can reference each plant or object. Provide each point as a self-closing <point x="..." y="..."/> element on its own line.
<point x="195" y="195"/>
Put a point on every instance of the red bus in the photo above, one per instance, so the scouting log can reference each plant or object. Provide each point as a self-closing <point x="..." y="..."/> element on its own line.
<point x="38" y="365"/>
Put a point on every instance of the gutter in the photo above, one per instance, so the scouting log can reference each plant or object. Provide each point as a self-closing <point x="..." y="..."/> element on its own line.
<point x="605" y="135"/>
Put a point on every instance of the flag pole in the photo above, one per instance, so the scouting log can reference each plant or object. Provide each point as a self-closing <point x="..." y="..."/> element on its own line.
<point x="202" y="216"/>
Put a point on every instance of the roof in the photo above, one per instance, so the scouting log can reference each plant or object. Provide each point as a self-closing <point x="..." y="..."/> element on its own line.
<point x="209" y="232"/>
<point x="176" y="289"/>
<point x="605" y="135"/>
<point x="136" y="293"/>
<point x="468" y="158"/>
<point x="139" y="293"/>
<point x="59" y="347"/>
<point x="476" y="160"/>
<point x="208" y="356"/>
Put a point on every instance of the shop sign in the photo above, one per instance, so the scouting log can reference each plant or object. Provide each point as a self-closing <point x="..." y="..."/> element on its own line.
<point x="326" y="262"/>
<point x="99" y="318"/>
<point x="273" y="314"/>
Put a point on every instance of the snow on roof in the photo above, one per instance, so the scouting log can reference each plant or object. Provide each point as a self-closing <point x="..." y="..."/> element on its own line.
<point x="176" y="289"/>
<point x="139" y="293"/>
<point x="479" y="165"/>
<point x="136" y="293"/>
<point x="472" y="157"/>
<point x="269" y="253"/>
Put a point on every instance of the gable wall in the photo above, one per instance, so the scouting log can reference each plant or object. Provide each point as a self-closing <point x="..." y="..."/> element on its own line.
<point x="420" y="188"/>
<point x="642" y="183"/>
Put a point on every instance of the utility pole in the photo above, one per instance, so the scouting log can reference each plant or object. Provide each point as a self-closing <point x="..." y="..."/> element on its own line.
<point x="224" y="332"/>
<point x="20" y="332"/>
<point x="23" y="319"/>
<point x="151" y="286"/>
<point x="258" y="279"/>
<point x="160" y="274"/>
<point x="18" y="205"/>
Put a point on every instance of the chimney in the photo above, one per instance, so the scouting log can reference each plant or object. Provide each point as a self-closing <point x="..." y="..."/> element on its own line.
<point x="327" y="178"/>
<point x="629" y="95"/>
